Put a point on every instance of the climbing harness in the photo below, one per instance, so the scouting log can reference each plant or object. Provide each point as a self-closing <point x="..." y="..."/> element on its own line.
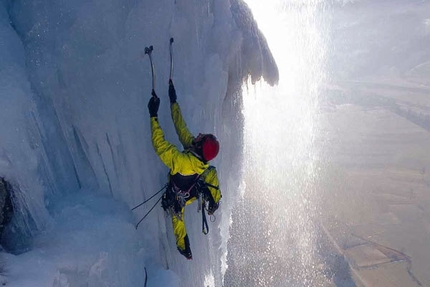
<point x="183" y="195"/>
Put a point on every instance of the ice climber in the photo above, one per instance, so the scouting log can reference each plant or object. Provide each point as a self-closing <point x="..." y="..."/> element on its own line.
<point x="190" y="177"/>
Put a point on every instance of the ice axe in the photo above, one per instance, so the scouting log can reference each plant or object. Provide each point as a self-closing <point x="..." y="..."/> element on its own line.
<point x="171" y="58"/>
<point x="148" y="50"/>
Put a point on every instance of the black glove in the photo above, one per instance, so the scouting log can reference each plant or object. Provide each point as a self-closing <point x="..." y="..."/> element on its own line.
<point x="153" y="105"/>
<point x="212" y="208"/>
<point x="172" y="92"/>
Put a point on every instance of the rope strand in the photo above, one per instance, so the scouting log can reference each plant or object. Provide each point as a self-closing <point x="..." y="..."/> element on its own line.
<point x="137" y="225"/>
<point x="164" y="187"/>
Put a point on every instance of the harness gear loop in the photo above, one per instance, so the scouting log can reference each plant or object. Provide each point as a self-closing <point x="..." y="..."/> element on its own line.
<point x="181" y="195"/>
<point x="199" y="206"/>
<point x="205" y="226"/>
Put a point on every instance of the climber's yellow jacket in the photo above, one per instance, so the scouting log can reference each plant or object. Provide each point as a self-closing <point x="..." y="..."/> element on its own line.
<point x="184" y="163"/>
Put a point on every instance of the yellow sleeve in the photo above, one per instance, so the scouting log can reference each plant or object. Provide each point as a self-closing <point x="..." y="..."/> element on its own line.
<point x="168" y="153"/>
<point x="212" y="179"/>
<point x="185" y="136"/>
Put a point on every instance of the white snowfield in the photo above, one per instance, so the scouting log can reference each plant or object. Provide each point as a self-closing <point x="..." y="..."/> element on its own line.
<point x="75" y="136"/>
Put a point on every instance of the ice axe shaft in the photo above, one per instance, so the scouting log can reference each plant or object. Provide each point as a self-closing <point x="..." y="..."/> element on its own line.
<point x="148" y="50"/>
<point x="171" y="58"/>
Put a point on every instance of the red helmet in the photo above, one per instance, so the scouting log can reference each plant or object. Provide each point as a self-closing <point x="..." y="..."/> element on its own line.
<point x="210" y="147"/>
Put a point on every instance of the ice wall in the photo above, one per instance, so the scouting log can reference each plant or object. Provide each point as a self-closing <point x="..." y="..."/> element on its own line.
<point x="74" y="88"/>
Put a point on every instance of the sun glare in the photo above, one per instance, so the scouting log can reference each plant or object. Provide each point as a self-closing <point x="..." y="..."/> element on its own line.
<point x="280" y="129"/>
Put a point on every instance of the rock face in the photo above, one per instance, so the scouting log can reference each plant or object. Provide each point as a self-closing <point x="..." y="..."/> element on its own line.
<point x="6" y="208"/>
